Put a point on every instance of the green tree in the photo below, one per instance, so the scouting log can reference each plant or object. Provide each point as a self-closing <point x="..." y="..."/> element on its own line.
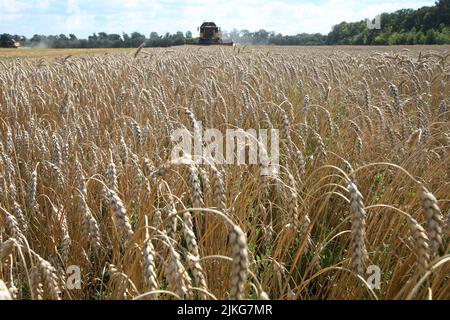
<point x="420" y="38"/>
<point x="393" y="39"/>
<point x="137" y="39"/>
<point x="430" y="37"/>
<point x="126" y="40"/>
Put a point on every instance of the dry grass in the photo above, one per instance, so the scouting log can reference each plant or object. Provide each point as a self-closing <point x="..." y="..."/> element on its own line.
<point x="86" y="177"/>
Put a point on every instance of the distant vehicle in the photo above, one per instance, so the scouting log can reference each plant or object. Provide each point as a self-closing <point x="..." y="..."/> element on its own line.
<point x="210" y="34"/>
<point x="11" y="44"/>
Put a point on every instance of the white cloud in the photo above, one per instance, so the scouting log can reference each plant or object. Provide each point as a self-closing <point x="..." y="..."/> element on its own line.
<point x="13" y="6"/>
<point x="74" y="21"/>
<point x="42" y="4"/>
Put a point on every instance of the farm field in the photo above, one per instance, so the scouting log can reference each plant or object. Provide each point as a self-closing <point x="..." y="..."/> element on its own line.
<point x="54" y="53"/>
<point x="359" y="208"/>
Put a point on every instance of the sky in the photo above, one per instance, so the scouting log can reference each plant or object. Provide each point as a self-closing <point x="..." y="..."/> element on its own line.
<point x="84" y="17"/>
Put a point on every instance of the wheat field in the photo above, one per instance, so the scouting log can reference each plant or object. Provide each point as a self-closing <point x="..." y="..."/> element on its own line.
<point x="87" y="179"/>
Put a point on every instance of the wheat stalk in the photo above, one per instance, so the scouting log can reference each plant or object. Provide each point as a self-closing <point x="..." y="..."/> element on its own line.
<point x="433" y="219"/>
<point x="240" y="265"/>
<point x="421" y="243"/>
<point x="358" y="246"/>
<point x="120" y="215"/>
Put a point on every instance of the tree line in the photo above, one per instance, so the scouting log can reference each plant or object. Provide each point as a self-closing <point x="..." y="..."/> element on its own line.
<point x="102" y="40"/>
<point x="426" y="25"/>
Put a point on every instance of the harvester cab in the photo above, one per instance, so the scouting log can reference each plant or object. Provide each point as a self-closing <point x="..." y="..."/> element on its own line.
<point x="210" y="34"/>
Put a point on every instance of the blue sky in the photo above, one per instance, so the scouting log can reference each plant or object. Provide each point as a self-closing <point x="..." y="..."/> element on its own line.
<point x="83" y="17"/>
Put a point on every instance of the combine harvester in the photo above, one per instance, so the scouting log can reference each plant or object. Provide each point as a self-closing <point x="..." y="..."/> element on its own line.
<point x="11" y="44"/>
<point x="210" y="35"/>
